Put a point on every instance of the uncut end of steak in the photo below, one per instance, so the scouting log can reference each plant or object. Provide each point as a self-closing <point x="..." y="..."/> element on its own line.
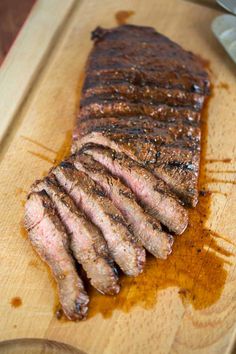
<point x="143" y="96"/>
<point x="49" y="239"/>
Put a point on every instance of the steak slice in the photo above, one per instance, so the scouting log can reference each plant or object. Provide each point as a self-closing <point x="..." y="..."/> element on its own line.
<point x="143" y="96"/>
<point x="86" y="242"/>
<point x="50" y="240"/>
<point x="144" y="185"/>
<point x="100" y="210"/>
<point x="146" y="228"/>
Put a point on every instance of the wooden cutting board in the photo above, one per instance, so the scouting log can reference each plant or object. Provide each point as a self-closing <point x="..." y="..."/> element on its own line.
<point x="39" y="135"/>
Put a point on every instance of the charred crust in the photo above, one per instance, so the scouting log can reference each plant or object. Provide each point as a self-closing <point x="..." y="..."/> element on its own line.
<point x="98" y="191"/>
<point x="67" y="165"/>
<point x="117" y="218"/>
<point x="98" y="34"/>
<point x="182" y="165"/>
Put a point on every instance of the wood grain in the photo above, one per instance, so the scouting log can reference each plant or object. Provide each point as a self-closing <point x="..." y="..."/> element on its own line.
<point x="22" y="65"/>
<point x="48" y="113"/>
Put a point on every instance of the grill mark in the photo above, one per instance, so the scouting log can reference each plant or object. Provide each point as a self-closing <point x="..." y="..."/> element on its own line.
<point x="121" y="64"/>
<point x="139" y="144"/>
<point x="146" y="124"/>
<point x="143" y="55"/>
<point x="133" y="122"/>
<point x="117" y="61"/>
<point x="144" y="94"/>
<point x="114" y="97"/>
<point x="163" y="79"/>
<point x="124" y="109"/>
<point x="182" y="162"/>
<point x="178" y="70"/>
<point x="162" y="135"/>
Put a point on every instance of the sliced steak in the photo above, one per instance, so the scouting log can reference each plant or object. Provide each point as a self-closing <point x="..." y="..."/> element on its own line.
<point x="92" y="200"/>
<point x="146" y="228"/>
<point x="50" y="240"/>
<point x="144" y="185"/>
<point x="86" y="241"/>
<point x="138" y="130"/>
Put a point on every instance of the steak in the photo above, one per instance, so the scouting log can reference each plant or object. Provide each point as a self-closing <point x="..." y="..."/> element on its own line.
<point x="90" y="198"/>
<point x="143" y="96"/>
<point x="134" y="165"/>
<point x="146" y="228"/>
<point x="48" y="237"/>
<point x="86" y="242"/>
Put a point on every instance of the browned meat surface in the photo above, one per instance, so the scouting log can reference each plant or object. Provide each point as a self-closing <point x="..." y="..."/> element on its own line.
<point x="146" y="228"/>
<point x="143" y="96"/>
<point x="49" y="239"/>
<point x="145" y="186"/>
<point x="90" y="197"/>
<point x="86" y="242"/>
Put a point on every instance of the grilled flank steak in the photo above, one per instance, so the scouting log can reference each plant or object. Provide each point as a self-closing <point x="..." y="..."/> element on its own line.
<point x="134" y="165"/>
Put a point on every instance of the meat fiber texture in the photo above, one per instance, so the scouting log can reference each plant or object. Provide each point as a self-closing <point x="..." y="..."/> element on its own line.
<point x="134" y="165"/>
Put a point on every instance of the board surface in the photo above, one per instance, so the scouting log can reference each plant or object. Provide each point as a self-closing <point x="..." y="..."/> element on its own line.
<point x="39" y="136"/>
